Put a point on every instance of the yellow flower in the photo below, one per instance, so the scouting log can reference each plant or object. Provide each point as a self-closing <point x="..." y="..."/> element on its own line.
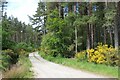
<point x="91" y="50"/>
<point x="96" y="52"/>
<point x="100" y="50"/>
<point x="106" y="45"/>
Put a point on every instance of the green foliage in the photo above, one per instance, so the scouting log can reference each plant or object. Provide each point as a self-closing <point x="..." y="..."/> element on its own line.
<point x="51" y="44"/>
<point x="5" y="61"/>
<point x="9" y="52"/>
<point x="110" y="17"/>
<point x="22" y="52"/>
<point x="55" y="42"/>
<point x="79" y="22"/>
<point x="23" y="46"/>
<point x="92" y="19"/>
<point x="30" y="48"/>
<point x="11" y="56"/>
<point x="59" y="37"/>
<point x="8" y="57"/>
<point x="15" y="32"/>
<point x="84" y="20"/>
<point x="7" y="44"/>
<point x="53" y="22"/>
<point x="71" y="18"/>
<point x="6" y="32"/>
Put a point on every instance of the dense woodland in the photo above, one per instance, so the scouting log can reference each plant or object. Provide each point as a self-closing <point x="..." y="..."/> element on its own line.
<point x="84" y="30"/>
<point x="69" y="28"/>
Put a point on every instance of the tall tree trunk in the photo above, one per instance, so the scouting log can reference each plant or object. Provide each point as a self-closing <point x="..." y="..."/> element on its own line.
<point x="116" y="37"/>
<point x="61" y="15"/>
<point x="21" y="36"/>
<point x="45" y="19"/>
<point x="88" y="37"/>
<point x="95" y="41"/>
<point x="92" y="36"/>
<point x="25" y="36"/>
<point x="90" y="29"/>
<point x="83" y="43"/>
<point x="70" y="7"/>
<point x="16" y="37"/>
<point x="44" y="27"/>
<point x="104" y="35"/>
<point x="76" y="39"/>
<point x="59" y="9"/>
<point x="76" y="44"/>
<point x="117" y="18"/>
<point x="110" y="34"/>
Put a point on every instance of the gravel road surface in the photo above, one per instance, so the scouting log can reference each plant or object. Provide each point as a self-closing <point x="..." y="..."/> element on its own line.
<point x="45" y="69"/>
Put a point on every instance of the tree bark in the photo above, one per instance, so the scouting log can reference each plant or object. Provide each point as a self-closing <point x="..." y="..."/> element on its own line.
<point x="61" y="15"/>
<point x="92" y="36"/>
<point x="76" y="39"/>
<point x="116" y="37"/>
<point x="89" y="28"/>
<point x="59" y="9"/>
<point x="117" y="18"/>
<point x="76" y="42"/>
<point x="88" y="37"/>
<point x="88" y="34"/>
<point x="104" y="35"/>
<point x="110" y="34"/>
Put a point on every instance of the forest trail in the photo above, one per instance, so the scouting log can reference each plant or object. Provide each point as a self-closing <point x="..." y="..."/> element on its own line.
<point x="45" y="69"/>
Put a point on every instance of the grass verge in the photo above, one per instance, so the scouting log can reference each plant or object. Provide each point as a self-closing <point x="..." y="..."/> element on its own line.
<point x="84" y="65"/>
<point x="21" y="69"/>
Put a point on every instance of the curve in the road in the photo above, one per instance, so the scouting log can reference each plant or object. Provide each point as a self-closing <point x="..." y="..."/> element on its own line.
<point x="45" y="69"/>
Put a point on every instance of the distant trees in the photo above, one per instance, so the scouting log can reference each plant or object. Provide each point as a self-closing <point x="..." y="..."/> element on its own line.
<point x="14" y="31"/>
<point x="17" y="40"/>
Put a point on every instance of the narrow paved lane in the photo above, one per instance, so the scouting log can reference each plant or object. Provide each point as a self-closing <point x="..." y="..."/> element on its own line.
<point x="46" y="69"/>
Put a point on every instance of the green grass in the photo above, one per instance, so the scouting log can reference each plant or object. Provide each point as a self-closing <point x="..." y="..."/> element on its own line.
<point x="84" y="65"/>
<point x="21" y="71"/>
<point x="27" y="64"/>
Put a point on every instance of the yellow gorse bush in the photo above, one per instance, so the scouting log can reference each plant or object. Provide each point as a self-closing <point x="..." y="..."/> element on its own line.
<point x="81" y="55"/>
<point x="103" y="54"/>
